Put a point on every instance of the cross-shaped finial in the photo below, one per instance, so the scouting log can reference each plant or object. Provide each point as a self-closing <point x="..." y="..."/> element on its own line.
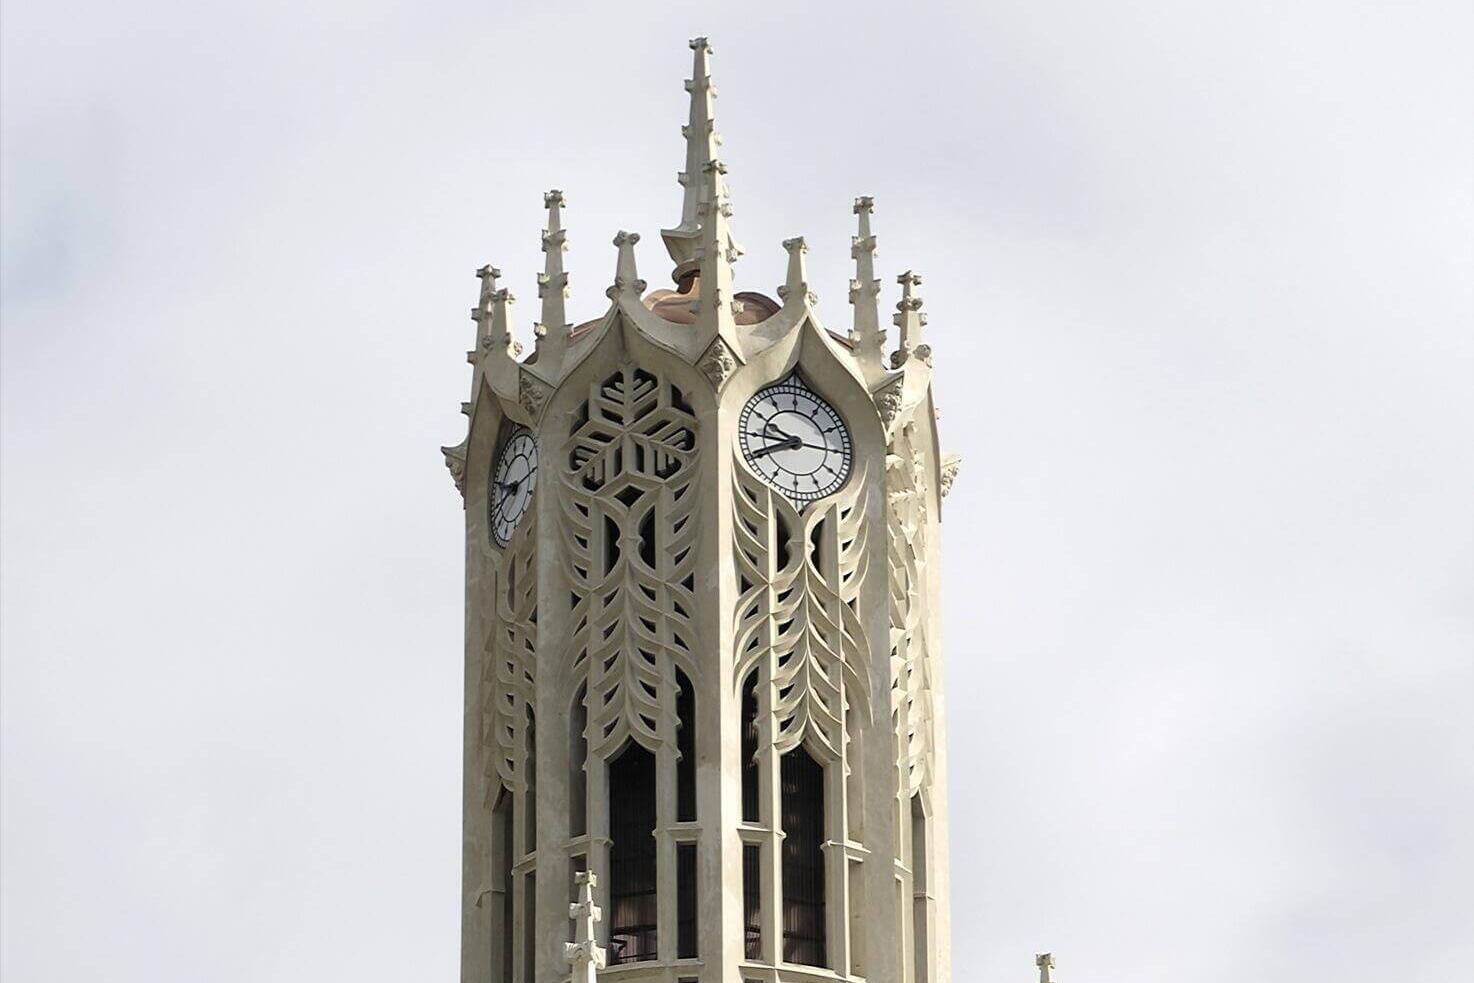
<point x="585" y="954"/>
<point x="1045" y="962"/>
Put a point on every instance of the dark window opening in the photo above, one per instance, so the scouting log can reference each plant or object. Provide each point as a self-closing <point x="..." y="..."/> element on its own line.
<point x="501" y="881"/>
<point x="647" y="539"/>
<point x="632" y="856"/>
<point x="578" y="754"/>
<point x="920" y="930"/>
<point x="804" y="934"/>
<point x="611" y="544"/>
<point x="529" y="841"/>
<point x="529" y="928"/>
<point x="752" y="902"/>
<point x="750" y="800"/>
<point x="686" y="748"/>
<point x="686" y="901"/>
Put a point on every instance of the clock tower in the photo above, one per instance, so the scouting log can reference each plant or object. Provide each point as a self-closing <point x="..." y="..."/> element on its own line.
<point x="703" y="681"/>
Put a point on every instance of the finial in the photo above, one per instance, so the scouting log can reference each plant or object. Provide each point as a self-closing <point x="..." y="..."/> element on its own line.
<point x="797" y="284"/>
<point x="1045" y="962"/>
<point x="481" y="313"/>
<point x="702" y="141"/>
<point x="499" y="337"/>
<point x="626" y="277"/>
<point x="585" y="953"/>
<point x="867" y="336"/>
<point x="716" y="252"/>
<point x="552" y="283"/>
<point x="910" y="320"/>
<point x="488" y="275"/>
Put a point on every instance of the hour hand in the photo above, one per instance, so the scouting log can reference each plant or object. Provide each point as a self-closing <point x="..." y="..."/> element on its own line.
<point x="783" y="445"/>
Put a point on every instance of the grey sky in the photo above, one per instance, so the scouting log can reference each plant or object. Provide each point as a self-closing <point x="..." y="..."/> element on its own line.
<point x="1201" y="288"/>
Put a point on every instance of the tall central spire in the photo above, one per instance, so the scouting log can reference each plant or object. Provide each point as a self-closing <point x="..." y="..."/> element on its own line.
<point x="702" y="140"/>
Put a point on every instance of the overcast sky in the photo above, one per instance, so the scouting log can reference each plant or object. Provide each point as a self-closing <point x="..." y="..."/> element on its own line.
<point x="1201" y="287"/>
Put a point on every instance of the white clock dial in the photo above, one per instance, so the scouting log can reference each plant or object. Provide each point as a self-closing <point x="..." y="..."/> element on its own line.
<point x="795" y="441"/>
<point x="513" y="479"/>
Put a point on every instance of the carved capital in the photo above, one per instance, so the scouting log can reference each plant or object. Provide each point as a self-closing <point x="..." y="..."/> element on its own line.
<point x="951" y="464"/>
<point x="888" y="401"/>
<point x="531" y="394"/>
<point x="455" y="463"/>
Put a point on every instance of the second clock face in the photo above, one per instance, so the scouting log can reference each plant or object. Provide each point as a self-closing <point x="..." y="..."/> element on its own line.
<point x="796" y="441"/>
<point x="513" y="479"/>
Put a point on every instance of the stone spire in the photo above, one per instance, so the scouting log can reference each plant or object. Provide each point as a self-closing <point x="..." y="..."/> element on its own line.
<point x="626" y="276"/>
<point x="1045" y="962"/>
<point x="552" y="286"/>
<point x="867" y="336"/>
<point x="499" y="336"/>
<point x="910" y="320"/>
<point x="584" y="953"/>
<point x="795" y="289"/>
<point x="715" y="307"/>
<point x="702" y="141"/>
<point x="481" y="313"/>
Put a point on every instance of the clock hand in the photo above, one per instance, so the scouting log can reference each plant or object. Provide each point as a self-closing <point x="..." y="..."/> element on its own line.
<point x="782" y="445"/>
<point x="799" y="442"/>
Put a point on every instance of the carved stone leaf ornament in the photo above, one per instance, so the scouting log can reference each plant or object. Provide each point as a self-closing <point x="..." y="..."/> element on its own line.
<point x="509" y="676"/>
<point x="799" y="574"/>
<point x="906" y="504"/>
<point x="629" y="507"/>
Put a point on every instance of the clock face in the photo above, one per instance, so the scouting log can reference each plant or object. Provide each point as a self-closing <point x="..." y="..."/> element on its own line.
<point x="795" y="441"/>
<point x="513" y="479"/>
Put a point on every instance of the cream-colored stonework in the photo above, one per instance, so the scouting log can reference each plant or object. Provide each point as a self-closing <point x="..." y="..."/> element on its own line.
<point x="649" y="556"/>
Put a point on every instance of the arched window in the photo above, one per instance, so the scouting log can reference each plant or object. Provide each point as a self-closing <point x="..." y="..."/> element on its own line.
<point x="804" y="927"/>
<point x="632" y="869"/>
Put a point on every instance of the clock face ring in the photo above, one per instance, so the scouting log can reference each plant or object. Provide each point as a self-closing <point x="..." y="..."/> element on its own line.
<point x="795" y="441"/>
<point x="513" y="481"/>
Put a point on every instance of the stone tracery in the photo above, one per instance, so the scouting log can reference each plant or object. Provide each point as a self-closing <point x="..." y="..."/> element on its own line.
<point x="628" y="530"/>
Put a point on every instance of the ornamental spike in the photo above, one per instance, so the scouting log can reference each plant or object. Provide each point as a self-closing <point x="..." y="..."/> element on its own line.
<point x="910" y="320"/>
<point x="500" y="337"/>
<point x="552" y="284"/>
<point x="702" y="141"/>
<point x="481" y="313"/>
<point x="795" y="289"/>
<point x="867" y="336"/>
<point x="716" y="253"/>
<point x="584" y="952"/>
<point x="626" y="276"/>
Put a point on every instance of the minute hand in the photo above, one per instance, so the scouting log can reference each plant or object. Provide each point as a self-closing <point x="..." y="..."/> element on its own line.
<point x="786" y="445"/>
